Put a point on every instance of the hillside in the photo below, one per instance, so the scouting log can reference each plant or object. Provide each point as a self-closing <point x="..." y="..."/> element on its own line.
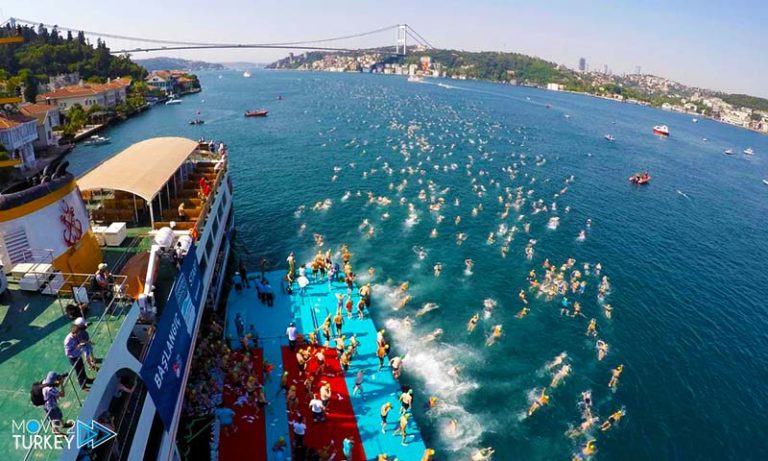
<point x="165" y="63"/>
<point x="47" y="53"/>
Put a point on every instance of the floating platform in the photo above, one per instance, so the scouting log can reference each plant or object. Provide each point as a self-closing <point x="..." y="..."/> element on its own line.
<point x="360" y="420"/>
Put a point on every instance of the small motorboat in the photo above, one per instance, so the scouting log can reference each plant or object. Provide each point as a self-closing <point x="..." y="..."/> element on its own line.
<point x="97" y="140"/>
<point x="609" y="137"/>
<point x="172" y="102"/>
<point x="196" y="121"/>
<point x="256" y="113"/>
<point x="246" y="74"/>
<point x="661" y="130"/>
<point x="695" y="120"/>
<point x="728" y="152"/>
<point x="415" y="79"/>
<point x="748" y="151"/>
<point x="765" y="181"/>
<point x="640" y="178"/>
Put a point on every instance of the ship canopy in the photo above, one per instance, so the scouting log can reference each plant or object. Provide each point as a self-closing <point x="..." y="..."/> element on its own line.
<point x="142" y="169"/>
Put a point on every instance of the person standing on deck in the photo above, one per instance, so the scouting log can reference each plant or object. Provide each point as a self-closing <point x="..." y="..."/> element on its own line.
<point x="406" y="398"/>
<point x="317" y="408"/>
<point x="268" y="294"/>
<point x="384" y="412"/>
<point x="359" y="384"/>
<point x="338" y="319"/>
<point x="325" y="395"/>
<point x="244" y="274"/>
<point x="73" y="351"/>
<point x="348" y="446"/>
<point x="401" y="429"/>
<point x="237" y="281"/>
<point x="381" y="353"/>
<point x="299" y="429"/>
<point x="292" y="334"/>
<point x="51" y="394"/>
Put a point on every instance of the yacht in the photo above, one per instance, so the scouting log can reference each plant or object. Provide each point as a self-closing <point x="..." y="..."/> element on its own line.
<point x="172" y="101"/>
<point x="748" y="151"/>
<point x="161" y="272"/>
<point x="97" y="140"/>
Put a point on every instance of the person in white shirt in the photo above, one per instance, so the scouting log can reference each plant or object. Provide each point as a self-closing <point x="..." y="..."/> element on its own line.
<point x="318" y="409"/>
<point x="292" y="335"/>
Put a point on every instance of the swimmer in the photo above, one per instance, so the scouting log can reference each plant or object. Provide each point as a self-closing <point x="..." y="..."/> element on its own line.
<point x="592" y="328"/>
<point x="541" y="400"/>
<point x="607" y="310"/>
<point x="562" y="373"/>
<point x="384" y="412"/>
<point x="427" y="307"/>
<point x="433" y="234"/>
<point x="602" y="349"/>
<point x="468" y="263"/>
<point x="403" y="287"/>
<point x="523" y="312"/>
<point x="473" y="323"/>
<point x="495" y="334"/>
<point x="432" y="402"/>
<point x="577" y="309"/>
<point x="483" y="454"/>
<point x="613" y="419"/>
<point x="556" y="361"/>
<point x="587" y="450"/>
<point x="521" y="295"/>
<point x="438" y="268"/>
<point x="615" y="373"/>
<point x="434" y="336"/>
<point x="404" y="301"/>
<point x="453" y="426"/>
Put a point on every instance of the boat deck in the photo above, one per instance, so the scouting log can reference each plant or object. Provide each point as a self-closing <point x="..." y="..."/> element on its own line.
<point x="379" y="386"/>
<point x="32" y="331"/>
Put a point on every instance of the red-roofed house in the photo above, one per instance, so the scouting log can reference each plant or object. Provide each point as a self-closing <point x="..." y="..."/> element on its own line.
<point x="107" y="95"/>
<point x="47" y="116"/>
<point x="17" y="133"/>
<point x="161" y="80"/>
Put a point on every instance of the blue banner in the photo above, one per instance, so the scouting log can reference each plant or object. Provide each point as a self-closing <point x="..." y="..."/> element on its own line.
<point x="164" y="365"/>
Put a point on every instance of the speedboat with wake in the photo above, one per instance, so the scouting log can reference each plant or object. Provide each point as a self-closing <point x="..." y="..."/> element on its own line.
<point x="640" y="178"/>
<point x="196" y="121"/>
<point x="609" y="137"/>
<point x="748" y="151"/>
<point x="728" y="152"/>
<point x="256" y="113"/>
<point x="97" y="140"/>
<point x="661" y="130"/>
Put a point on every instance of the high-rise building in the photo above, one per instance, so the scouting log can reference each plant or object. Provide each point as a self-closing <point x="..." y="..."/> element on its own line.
<point x="582" y="64"/>
<point x="638" y="70"/>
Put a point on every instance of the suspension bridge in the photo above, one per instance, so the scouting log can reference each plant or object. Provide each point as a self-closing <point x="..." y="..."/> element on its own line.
<point x="403" y="34"/>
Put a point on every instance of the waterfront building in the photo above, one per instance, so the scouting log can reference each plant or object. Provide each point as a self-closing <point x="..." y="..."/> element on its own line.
<point x="582" y="64"/>
<point x="107" y="95"/>
<point x="161" y="80"/>
<point x="48" y="118"/>
<point x="18" y="134"/>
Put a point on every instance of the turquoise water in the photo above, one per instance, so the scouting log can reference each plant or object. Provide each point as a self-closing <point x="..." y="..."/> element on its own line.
<point x="687" y="282"/>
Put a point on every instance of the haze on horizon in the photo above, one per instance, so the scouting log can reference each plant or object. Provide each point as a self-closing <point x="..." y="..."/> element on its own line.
<point x="700" y="43"/>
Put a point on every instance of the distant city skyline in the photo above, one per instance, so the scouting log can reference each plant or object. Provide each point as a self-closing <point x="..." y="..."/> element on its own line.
<point x="699" y="43"/>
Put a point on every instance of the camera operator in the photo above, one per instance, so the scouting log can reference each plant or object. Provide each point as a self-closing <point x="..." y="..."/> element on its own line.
<point x="51" y="394"/>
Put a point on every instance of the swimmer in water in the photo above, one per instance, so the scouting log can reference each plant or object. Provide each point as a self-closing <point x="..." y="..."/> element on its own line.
<point x="613" y="419"/>
<point x="453" y="426"/>
<point x="473" y="323"/>
<point x="426" y="308"/>
<point x="615" y="373"/>
<point x="433" y="234"/>
<point x="403" y="287"/>
<point x="483" y="454"/>
<point x="438" y="268"/>
<point x="523" y="312"/>
<point x="434" y="336"/>
<point x="561" y="374"/>
<point x="495" y="335"/>
<point x="468" y="263"/>
<point x="521" y="295"/>
<point x="607" y="310"/>
<point x="541" y="400"/>
<point x="587" y="451"/>
<point x="592" y="328"/>
<point x="556" y="361"/>
<point x="602" y="349"/>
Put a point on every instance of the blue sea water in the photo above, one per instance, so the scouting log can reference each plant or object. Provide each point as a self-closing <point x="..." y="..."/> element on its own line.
<point x="685" y="255"/>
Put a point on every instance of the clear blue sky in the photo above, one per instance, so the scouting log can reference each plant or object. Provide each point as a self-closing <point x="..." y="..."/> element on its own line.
<point x="709" y="43"/>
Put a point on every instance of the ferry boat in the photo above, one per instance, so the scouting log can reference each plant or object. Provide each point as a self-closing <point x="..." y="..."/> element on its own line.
<point x="114" y="249"/>
<point x="661" y="130"/>
<point x="749" y="151"/>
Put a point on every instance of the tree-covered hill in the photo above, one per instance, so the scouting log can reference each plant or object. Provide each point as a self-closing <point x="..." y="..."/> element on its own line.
<point x="46" y="53"/>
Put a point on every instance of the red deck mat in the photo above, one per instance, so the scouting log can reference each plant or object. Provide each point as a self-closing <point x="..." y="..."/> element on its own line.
<point x="248" y="433"/>
<point x="340" y="422"/>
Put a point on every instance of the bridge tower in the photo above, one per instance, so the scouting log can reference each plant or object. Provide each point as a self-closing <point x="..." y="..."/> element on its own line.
<point x="401" y="42"/>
